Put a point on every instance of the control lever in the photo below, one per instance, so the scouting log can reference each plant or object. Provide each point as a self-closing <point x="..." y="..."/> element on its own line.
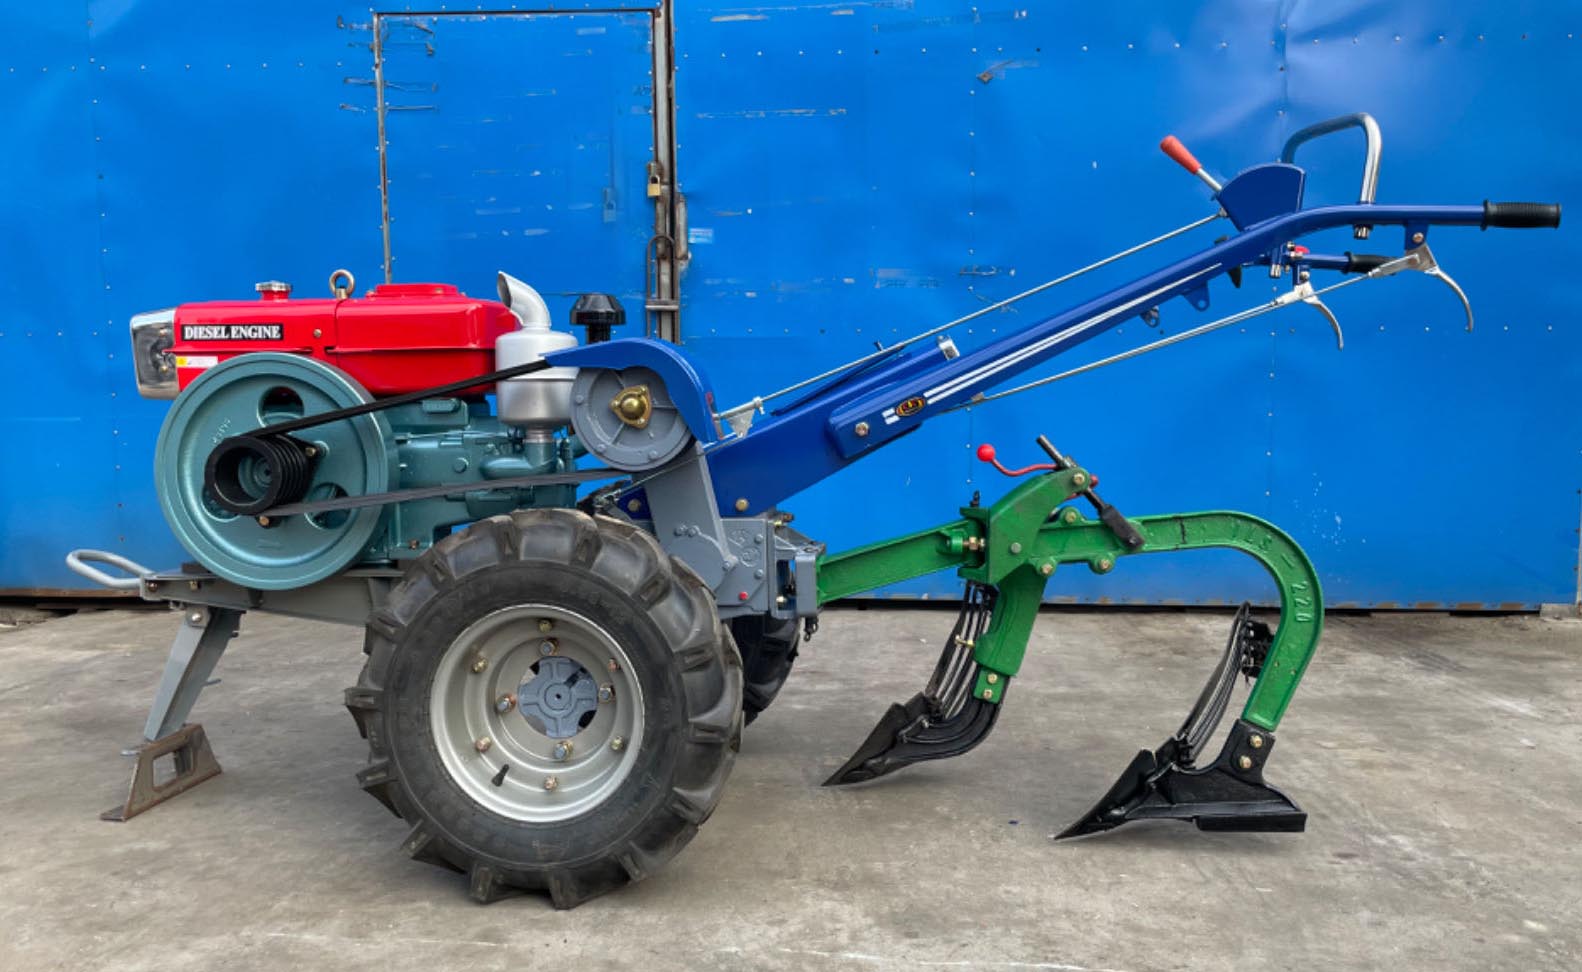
<point x="1419" y="258"/>
<point x="1172" y="147"/>
<point x="1303" y="292"/>
<point x="1108" y="515"/>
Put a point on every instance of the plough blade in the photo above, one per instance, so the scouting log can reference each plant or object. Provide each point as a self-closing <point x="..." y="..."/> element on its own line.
<point x="1227" y="795"/>
<point x="941" y="721"/>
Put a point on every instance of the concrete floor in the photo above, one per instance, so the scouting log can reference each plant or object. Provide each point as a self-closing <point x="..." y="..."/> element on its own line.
<point x="1440" y="759"/>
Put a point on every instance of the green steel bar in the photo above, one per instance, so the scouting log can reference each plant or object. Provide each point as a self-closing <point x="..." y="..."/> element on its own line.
<point x="890" y="561"/>
<point x="1301" y="599"/>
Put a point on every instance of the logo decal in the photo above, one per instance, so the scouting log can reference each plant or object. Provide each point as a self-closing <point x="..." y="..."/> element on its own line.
<point x="232" y="332"/>
<point x="911" y="406"/>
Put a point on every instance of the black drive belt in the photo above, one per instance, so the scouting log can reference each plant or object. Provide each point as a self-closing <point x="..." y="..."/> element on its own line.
<point x="422" y="492"/>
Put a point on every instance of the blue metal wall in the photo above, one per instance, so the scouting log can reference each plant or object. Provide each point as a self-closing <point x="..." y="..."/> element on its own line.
<point x="854" y="172"/>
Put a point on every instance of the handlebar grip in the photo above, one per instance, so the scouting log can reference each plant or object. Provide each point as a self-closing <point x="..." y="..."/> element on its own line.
<point x="1363" y="262"/>
<point x="1172" y="147"/>
<point x="1521" y="215"/>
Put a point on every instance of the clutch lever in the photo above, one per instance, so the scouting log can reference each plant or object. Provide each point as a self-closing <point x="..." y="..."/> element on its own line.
<point x="1420" y="259"/>
<point x="1304" y="293"/>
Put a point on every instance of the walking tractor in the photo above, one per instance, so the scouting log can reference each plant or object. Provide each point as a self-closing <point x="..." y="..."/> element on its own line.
<point x="577" y="591"/>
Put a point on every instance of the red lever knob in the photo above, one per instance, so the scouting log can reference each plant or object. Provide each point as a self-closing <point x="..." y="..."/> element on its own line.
<point x="1172" y="147"/>
<point x="986" y="454"/>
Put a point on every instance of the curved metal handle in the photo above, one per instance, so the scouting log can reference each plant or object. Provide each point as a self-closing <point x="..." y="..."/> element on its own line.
<point x="78" y="561"/>
<point x="1370" y="162"/>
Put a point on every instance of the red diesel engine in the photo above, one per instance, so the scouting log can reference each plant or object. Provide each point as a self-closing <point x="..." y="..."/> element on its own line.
<point x="397" y="338"/>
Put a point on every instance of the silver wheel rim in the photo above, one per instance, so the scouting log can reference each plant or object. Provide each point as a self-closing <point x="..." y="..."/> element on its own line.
<point x="498" y="659"/>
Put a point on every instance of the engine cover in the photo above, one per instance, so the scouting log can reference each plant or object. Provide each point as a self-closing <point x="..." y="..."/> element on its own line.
<point x="398" y="338"/>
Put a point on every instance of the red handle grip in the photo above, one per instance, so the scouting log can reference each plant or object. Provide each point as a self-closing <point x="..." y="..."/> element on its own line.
<point x="1172" y="147"/>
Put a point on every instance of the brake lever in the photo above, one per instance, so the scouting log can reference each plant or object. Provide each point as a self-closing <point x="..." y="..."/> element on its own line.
<point x="1303" y="292"/>
<point x="1421" y="259"/>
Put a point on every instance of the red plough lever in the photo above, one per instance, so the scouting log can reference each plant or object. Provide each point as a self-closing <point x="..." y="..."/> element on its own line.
<point x="986" y="454"/>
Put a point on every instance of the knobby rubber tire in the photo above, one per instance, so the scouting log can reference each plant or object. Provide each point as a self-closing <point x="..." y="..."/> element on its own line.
<point x="663" y="616"/>
<point x="769" y="648"/>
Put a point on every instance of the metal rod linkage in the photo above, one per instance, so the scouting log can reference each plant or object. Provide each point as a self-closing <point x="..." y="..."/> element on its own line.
<point x="757" y="403"/>
<point x="1198" y="331"/>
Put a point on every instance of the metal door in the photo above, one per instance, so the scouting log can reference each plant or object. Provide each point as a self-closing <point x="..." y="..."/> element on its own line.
<point x="522" y="142"/>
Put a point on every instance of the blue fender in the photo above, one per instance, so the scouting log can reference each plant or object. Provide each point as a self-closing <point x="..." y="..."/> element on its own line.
<point x="685" y="384"/>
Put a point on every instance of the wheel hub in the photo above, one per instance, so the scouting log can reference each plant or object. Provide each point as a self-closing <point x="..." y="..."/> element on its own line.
<point x="556" y="700"/>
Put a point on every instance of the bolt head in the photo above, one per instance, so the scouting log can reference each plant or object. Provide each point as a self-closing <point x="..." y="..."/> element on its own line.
<point x="606" y="692"/>
<point x="861" y="429"/>
<point x="561" y="751"/>
<point x="1016" y="548"/>
<point x="741" y="505"/>
<point x="195" y="617"/>
<point x="263" y="521"/>
<point x="505" y="703"/>
<point x="194" y="585"/>
<point x="545" y="625"/>
<point x="632" y="506"/>
<point x="551" y="782"/>
<point x="1255" y="741"/>
<point x="1417" y="237"/>
<point x="1047" y="569"/>
<point x="988" y="693"/>
<point x="547" y="647"/>
<point x="613" y="665"/>
<point x="992" y="678"/>
<point x="1071" y="516"/>
<point x="1245" y="762"/>
<point x="618" y="743"/>
<point x="1079" y="479"/>
<point x="479" y="664"/>
<point x="482" y="744"/>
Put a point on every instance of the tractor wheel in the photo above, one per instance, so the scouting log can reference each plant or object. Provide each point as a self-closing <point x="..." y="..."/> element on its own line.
<point x="768" y="648"/>
<point x="551" y="702"/>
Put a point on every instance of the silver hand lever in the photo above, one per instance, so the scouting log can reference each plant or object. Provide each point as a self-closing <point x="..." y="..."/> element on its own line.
<point x="1421" y="259"/>
<point x="1304" y="293"/>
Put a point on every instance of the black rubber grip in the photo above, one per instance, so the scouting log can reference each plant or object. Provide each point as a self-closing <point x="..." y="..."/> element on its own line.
<point x="1519" y="215"/>
<point x="1363" y="262"/>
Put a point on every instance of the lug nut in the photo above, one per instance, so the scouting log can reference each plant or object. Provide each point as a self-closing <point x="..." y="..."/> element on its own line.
<point x="561" y="751"/>
<point x="614" y="665"/>
<point x="479" y="664"/>
<point x="483" y="744"/>
<point x="505" y="703"/>
<point x="545" y="625"/>
<point x="551" y="782"/>
<point x="547" y="647"/>
<point x="618" y="743"/>
<point x="606" y="692"/>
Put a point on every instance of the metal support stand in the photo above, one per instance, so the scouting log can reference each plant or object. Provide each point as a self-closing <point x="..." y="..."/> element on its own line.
<point x="188" y="748"/>
<point x="199" y="643"/>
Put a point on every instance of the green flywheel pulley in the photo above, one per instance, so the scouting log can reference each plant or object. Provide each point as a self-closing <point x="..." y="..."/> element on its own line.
<point x="355" y="457"/>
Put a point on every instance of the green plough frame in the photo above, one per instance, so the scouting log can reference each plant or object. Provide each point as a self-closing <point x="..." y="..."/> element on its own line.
<point x="1016" y="544"/>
